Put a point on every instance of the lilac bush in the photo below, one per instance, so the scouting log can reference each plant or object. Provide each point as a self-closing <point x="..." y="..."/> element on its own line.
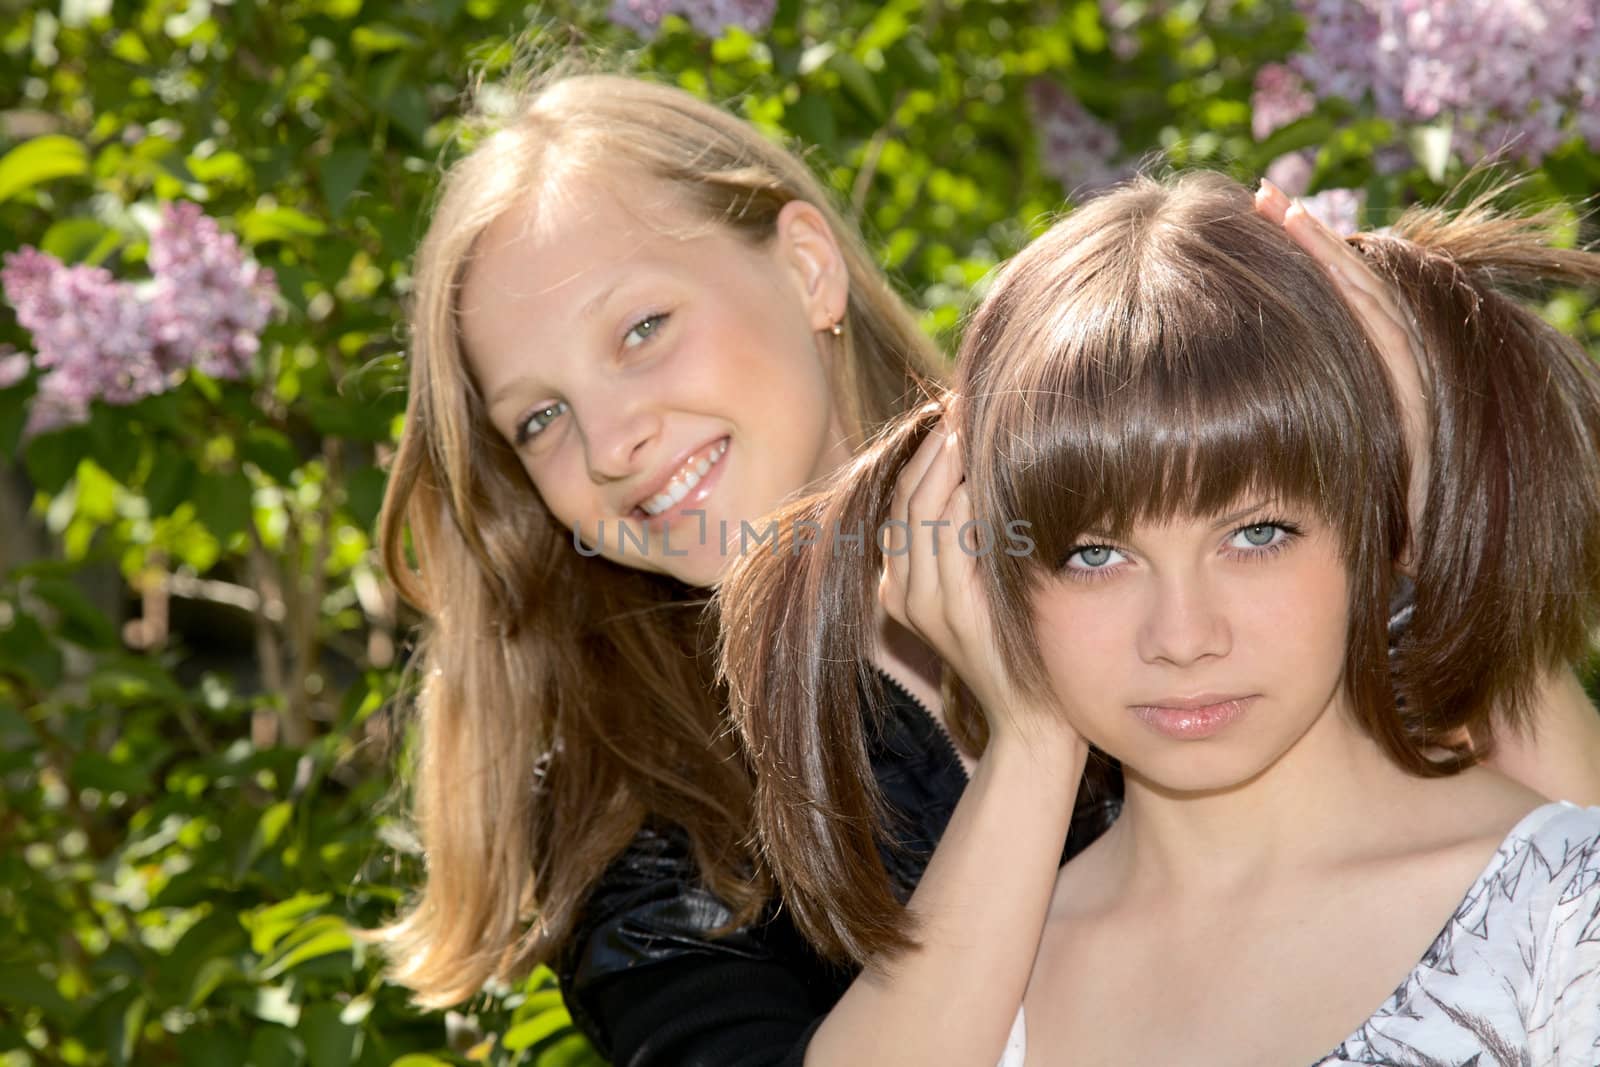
<point x="98" y="338"/>
<point x="710" y="17"/>
<point x="1521" y="76"/>
<point x="1076" y="148"/>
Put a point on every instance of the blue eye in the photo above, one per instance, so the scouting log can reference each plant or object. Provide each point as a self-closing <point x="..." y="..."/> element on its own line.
<point x="1258" y="535"/>
<point x="1092" y="558"/>
<point x="643" y="330"/>
<point x="537" y="419"/>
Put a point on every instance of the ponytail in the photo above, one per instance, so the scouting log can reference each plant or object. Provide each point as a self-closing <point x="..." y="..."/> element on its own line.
<point x="1508" y="554"/>
<point x="797" y="630"/>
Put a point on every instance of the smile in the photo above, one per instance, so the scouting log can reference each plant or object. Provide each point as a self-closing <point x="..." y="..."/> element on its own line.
<point x="687" y="476"/>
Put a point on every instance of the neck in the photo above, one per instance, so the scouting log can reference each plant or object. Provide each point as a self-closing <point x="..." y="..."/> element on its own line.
<point x="1331" y="792"/>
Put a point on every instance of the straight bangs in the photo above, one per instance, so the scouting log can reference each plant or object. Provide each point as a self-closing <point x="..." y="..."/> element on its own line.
<point x="1164" y="352"/>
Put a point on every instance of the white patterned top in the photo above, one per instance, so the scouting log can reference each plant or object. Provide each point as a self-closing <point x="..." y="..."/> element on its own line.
<point x="1513" y="979"/>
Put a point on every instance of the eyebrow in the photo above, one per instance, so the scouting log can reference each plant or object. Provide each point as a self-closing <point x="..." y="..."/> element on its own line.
<point x="1242" y="513"/>
<point x="590" y="308"/>
<point x="1219" y="523"/>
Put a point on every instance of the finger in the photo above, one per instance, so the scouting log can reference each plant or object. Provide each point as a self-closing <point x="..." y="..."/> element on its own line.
<point x="898" y="528"/>
<point x="1311" y="234"/>
<point x="1271" y="202"/>
<point x="959" y="572"/>
<point x="931" y="537"/>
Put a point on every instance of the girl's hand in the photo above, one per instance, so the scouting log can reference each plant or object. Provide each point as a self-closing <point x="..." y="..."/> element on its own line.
<point x="1387" y="322"/>
<point x="931" y="584"/>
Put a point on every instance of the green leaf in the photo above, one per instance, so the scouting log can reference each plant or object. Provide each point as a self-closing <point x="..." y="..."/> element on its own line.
<point x="329" y="1042"/>
<point x="129" y="680"/>
<point x="342" y="171"/>
<point x="419" y="1059"/>
<point x="22" y="984"/>
<point x="95" y="770"/>
<point x="274" y="1046"/>
<point x="170" y="479"/>
<point x="364" y="495"/>
<point x="261" y="225"/>
<point x="80" y="241"/>
<point x="573" y="1050"/>
<point x="858" y="84"/>
<point x="376" y="37"/>
<point x="271" y="451"/>
<point x="124" y="1038"/>
<point x="222" y="503"/>
<point x="323" y="935"/>
<point x="539" y="1028"/>
<point x="51" y="458"/>
<point x="1308" y="132"/>
<point x="40" y="160"/>
<point x="266" y="925"/>
<point x="811" y="119"/>
<point x="269" y="827"/>
<point x="80" y="621"/>
<point x="27" y="651"/>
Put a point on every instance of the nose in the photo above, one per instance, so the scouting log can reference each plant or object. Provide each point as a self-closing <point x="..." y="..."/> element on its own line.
<point x="1184" y="622"/>
<point x="617" y="434"/>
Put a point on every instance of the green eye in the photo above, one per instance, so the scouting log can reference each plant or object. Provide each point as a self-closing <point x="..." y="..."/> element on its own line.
<point x="538" y="419"/>
<point x="643" y="330"/>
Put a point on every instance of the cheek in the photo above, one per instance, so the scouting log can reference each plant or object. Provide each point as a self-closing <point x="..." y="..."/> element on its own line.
<point x="561" y="483"/>
<point x="1085" y="643"/>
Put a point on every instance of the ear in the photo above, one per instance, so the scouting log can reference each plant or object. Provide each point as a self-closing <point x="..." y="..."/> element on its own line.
<point x="805" y="242"/>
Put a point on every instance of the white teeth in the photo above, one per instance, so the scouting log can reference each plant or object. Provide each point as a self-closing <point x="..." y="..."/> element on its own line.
<point x="684" y="481"/>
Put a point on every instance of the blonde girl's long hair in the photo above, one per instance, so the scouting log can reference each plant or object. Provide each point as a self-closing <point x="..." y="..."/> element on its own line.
<point x="1164" y="350"/>
<point x="566" y="700"/>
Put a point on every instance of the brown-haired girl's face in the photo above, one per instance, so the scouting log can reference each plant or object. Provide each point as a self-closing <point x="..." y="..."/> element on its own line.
<point x="1198" y="650"/>
<point x="658" y="376"/>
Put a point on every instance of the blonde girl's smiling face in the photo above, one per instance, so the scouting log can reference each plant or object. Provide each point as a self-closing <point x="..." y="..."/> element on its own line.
<point x="1199" y="650"/>
<point x="661" y="378"/>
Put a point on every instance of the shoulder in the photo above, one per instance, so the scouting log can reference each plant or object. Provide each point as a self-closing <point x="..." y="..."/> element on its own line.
<point x="654" y="953"/>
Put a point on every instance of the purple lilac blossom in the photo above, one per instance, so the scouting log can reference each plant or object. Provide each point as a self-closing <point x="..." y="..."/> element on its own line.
<point x="709" y="17"/>
<point x="97" y="338"/>
<point x="1075" y="147"/>
<point x="1521" y="76"/>
<point x="90" y="332"/>
<point x="209" y="303"/>
<point x="1279" y="98"/>
<point x="1339" y="209"/>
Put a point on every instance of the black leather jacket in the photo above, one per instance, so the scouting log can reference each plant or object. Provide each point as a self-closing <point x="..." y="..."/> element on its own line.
<point x="650" y="986"/>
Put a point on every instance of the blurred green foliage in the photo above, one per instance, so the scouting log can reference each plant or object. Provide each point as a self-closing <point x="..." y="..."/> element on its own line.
<point x="192" y="773"/>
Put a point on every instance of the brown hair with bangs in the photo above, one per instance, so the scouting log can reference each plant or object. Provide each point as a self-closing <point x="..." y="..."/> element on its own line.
<point x="1166" y="351"/>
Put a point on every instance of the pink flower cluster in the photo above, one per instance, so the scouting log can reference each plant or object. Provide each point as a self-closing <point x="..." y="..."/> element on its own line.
<point x="1075" y="147"/>
<point x="1518" y="75"/>
<point x="97" y="338"/>
<point x="709" y="17"/>
<point x="1279" y="98"/>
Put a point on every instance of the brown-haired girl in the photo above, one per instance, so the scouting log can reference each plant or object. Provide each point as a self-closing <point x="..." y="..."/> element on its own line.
<point x="1169" y="394"/>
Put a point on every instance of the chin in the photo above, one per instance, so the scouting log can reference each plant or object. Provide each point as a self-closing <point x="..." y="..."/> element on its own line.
<point x="1192" y="774"/>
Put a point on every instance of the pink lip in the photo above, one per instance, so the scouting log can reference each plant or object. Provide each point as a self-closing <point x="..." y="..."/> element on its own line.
<point x="692" y="499"/>
<point x="1191" y="718"/>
